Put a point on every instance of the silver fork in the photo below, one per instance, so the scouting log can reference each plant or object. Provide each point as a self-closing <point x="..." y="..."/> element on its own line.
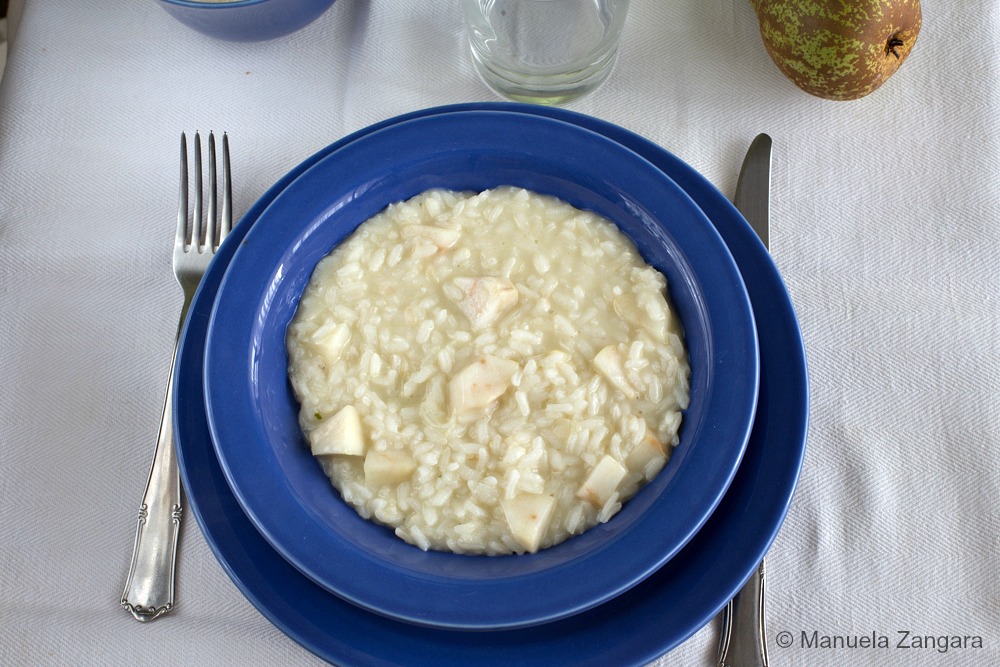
<point x="149" y="590"/>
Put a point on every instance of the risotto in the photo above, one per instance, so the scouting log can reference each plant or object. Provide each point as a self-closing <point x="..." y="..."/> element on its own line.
<point x="488" y="373"/>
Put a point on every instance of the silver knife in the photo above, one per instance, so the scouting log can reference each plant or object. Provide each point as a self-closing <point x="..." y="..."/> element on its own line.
<point x="743" y="641"/>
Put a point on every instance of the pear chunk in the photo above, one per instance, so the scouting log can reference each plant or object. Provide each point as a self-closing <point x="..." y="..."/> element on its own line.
<point x="389" y="467"/>
<point x="655" y="318"/>
<point x="439" y="236"/>
<point x="602" y="481"/>
<point x="648" y="457"/>
<point x="330" y="340"/>
<point x="479" y="383"/>
<point x="528" y="516"/>
<point x="340" y="434"/>
<point x="609" y="363"/>
<point x="486" y="298"/>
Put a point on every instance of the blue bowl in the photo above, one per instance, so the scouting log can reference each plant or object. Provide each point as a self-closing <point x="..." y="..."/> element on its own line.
<point x="253" y="413"/>
<point x="246" y="20"/>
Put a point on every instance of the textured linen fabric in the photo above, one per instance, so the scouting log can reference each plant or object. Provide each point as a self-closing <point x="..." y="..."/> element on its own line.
<point x="886" y="227"/>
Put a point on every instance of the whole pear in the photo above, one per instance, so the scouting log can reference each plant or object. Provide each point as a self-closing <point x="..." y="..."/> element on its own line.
<point x="838" y="49"/>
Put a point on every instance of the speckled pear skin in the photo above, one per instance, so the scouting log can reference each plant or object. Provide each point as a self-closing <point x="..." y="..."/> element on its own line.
<point x="838" y="49"/>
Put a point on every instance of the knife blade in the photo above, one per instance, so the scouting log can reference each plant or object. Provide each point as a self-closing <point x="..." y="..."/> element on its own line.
<point x="753" y="187"/>
<point x="743" y="640"/>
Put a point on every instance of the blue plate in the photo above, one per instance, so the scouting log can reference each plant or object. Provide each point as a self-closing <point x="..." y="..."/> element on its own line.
<point x="253" y="414"/>
<point x="633" y="629"/>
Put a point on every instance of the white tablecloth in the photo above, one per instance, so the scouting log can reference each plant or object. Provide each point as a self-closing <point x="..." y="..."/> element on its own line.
<point x="886" y="227"/>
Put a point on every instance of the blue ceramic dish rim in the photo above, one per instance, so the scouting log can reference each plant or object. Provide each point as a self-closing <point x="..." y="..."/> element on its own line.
<point x="229" y="4"/>
<point x="246" y="20"/>
<point x="651" y="619"/>
<point x="483" y="604"/>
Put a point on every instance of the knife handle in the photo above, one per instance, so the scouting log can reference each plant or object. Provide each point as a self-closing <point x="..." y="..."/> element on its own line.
<point x="748" y="646"/>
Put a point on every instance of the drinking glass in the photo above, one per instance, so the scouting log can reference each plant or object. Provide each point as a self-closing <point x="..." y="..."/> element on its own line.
<point x="544" y="51"/>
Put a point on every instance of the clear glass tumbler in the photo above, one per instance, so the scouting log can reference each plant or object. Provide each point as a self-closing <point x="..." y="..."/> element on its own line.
<point x="544" y="51"/>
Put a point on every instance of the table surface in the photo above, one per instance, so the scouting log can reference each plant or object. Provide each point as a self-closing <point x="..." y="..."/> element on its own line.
<point x="885" y="226"/>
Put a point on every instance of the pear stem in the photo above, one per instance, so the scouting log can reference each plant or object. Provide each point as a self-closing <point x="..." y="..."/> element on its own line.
<point x="893" y="44"/>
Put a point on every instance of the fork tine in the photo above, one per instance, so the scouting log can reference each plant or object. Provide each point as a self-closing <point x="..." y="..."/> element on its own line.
<point x="210" y="220"/>
<point x="182" y="206"/>
<point x="197" y="227"/>
<point x="226" y="225"/>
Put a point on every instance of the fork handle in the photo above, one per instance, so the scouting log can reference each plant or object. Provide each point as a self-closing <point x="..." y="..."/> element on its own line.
<point x="149" y="590"/>
<point x="744" y="637"/>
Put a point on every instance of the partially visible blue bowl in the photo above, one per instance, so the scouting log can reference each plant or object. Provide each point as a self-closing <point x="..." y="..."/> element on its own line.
<point x="253" y="414"/>
<point x="246" y="20"/>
